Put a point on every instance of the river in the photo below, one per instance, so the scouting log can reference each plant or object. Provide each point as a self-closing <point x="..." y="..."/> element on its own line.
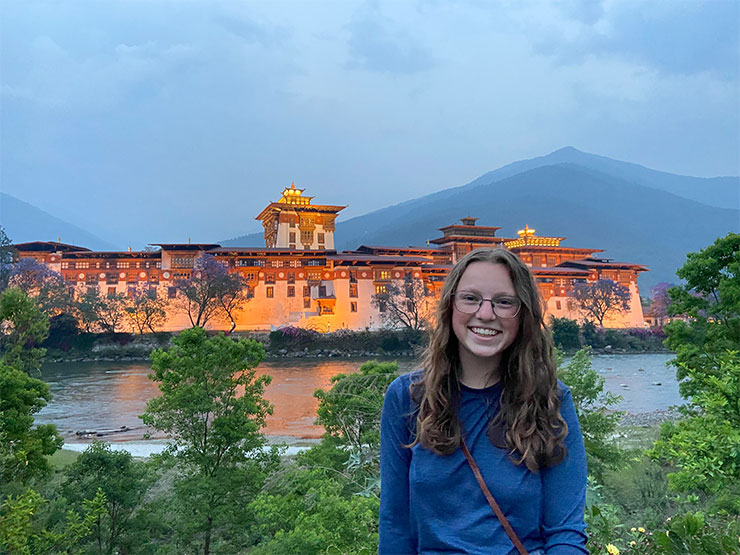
<point x="106" y="396"/>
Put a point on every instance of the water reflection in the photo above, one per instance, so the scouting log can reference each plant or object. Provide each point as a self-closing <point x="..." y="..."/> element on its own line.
<point x="109" y="395"/>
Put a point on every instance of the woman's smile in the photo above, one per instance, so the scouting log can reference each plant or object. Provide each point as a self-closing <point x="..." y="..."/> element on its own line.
<point x="483" y="336"/>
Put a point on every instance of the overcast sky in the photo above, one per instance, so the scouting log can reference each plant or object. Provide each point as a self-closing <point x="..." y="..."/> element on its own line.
<point x="158" y="121"/>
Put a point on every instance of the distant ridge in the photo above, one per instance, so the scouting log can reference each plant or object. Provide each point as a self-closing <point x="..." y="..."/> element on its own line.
<point x="24" y="222"/>
<point x="721" y="192"/>
<point x="634" y="213"/>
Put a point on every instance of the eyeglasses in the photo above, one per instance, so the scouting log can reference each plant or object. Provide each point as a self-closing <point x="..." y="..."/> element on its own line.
<point x="503" y="307"/>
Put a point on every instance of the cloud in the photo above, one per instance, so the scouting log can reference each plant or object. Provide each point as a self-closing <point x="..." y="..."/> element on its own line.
<point x="670" y="37"/>
<point x="585" y="11"/>
<point x="376" y="43"/>
<point x="246" y="28"/>
<point x="190" y="116"/>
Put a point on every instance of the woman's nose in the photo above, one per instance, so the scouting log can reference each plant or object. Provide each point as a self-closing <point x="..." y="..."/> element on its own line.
<point x="485" y="310"/>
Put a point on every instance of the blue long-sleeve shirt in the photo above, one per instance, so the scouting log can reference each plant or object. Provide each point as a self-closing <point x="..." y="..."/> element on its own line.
<point x="432" y="503"/>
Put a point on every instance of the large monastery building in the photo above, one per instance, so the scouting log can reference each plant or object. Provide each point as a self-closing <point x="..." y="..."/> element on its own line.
<point x="299" y="279"/>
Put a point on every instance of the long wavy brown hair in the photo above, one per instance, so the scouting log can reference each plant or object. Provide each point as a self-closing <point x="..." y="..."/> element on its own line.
<point x="530" y="402"/>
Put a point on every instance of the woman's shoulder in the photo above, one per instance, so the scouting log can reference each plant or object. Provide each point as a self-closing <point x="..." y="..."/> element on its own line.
<point x="564" y="391"/>
<point x="402" y="384"/>
<point x="399" y="391"/>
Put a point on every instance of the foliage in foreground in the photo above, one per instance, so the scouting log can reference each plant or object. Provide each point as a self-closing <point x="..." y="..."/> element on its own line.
<point x="21" y="533"/>
<point x="122" y="483"/>
<point x="699" y="455"/>
<point x="212" y="406"/>
<point x="23" y="327"/>
<point x="23" y="446"/>
<point x="705" y="446"/>
<point x="595" y="414"/>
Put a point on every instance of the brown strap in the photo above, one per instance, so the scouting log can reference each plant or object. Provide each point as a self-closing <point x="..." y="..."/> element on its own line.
<point x="492" y="501"/>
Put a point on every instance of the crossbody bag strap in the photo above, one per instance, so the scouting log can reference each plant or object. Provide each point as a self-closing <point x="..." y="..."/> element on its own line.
<point x="492" y="501"/>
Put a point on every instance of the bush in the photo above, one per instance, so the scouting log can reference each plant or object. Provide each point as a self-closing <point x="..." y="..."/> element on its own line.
<point x="565" y="333"/>
<point x="617" y="339"/>
<point x="595" y="414"/>
<point x="593" y="336"/>
<point x="63" y="330"/>
<point x="292" y="338"/>
<point x="378" y="341"/>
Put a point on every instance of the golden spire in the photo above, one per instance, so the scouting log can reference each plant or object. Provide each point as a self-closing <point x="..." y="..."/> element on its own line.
<point x="528" y="238"/>
<point x="293" y="195"/>
<point x="526" y="232"/>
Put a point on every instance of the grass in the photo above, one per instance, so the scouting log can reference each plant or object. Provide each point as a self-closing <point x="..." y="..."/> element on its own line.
<point x="62" y="458"/>
<point x="636" y="437"/>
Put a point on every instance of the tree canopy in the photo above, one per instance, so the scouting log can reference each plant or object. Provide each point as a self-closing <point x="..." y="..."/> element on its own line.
<point x="23" y="327"/>
<point x="211" y="292"/>
<point x="597" y="300"/>
<point x="404" y="303"/>
<point x="705" y="446"/>
<point x="212" y="407"/>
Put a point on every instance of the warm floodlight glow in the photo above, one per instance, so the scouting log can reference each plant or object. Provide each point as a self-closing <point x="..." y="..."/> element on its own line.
<point x="292" y="195"/>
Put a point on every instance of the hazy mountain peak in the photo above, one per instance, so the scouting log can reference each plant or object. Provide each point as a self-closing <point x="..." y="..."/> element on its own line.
<point x="24" y="222"/>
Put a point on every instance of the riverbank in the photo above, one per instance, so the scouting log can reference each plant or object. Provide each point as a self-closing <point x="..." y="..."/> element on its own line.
<point x="634" y="429"/>
<point x="296" y="343"/>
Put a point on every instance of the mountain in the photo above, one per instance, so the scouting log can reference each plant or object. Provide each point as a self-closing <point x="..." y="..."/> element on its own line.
<point x="632" y="223"/>
<point x="24" y="222"/>
<point x="634" y="213"/>
<point x="720" y="192"/>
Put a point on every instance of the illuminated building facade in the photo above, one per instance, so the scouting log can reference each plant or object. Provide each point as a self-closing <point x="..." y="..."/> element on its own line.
<point x="294" y="223"/>
<point x="299" y="279"/>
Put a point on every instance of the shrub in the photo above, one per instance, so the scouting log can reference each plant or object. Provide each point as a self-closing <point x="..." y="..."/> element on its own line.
<point x="592" y="336"/>
<point x="565" y="333"/>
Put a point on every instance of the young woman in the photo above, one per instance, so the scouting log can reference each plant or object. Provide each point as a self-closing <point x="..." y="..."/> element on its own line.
<point x="488" y="378"/>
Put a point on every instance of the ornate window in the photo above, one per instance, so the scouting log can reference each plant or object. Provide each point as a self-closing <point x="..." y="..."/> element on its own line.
<point x="177" y="262"/>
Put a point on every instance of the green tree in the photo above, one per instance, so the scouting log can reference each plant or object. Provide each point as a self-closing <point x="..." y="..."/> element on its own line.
<point x="404" y="304"/>
<point x="309" y="511"/>
<point x="146" y="310"/>
<point x="596" y="416"/>
<point x="87" y="307"/>
<point x="23" y="446"/>
<point x="23" y="327"/>
<point x="120" y="478"/>
<point x="101" y="313"/>
<point x="705" y="446"/>
<point x="599" y="299"/>
<point x="211" y="292"/>
<point x="112" y="312"/>
<point x="565" y="333"/>
<point x="711" y="302"/>
<point x="21" y="533"/>
<point x="212" y="407"/>
<point x="350" y="410"/>
<point x="326" y="501"/>
<point x="6" y="258"/>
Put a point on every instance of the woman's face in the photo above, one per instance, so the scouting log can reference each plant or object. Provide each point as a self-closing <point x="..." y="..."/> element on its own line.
<point x="483" y="336"/>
